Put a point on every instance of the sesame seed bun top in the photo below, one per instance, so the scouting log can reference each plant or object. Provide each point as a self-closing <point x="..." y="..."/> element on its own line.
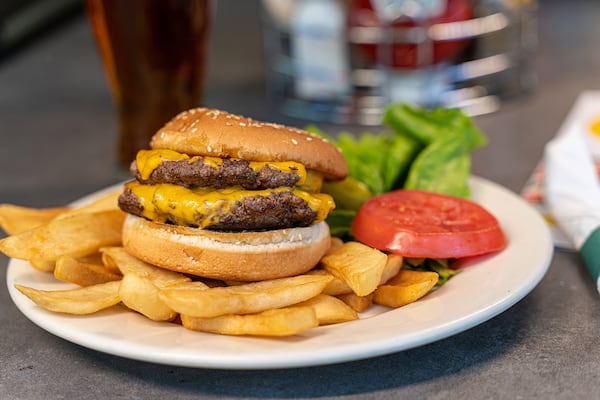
<point x="210" y="132"/>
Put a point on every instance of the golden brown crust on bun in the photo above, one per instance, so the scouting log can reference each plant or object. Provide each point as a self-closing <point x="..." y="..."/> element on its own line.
<point x="240" y="256"/>
<point x="209" y="132"/>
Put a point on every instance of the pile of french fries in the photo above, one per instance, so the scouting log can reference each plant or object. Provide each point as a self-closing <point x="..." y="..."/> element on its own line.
<point x="82" y="245"/>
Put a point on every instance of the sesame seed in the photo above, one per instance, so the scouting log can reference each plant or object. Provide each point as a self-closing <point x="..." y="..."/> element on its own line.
<point x="294" y="141"/>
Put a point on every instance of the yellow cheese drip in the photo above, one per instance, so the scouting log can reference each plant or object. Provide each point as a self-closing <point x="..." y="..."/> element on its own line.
<point x="148" y="160"/>
<point x="204" y="206"/>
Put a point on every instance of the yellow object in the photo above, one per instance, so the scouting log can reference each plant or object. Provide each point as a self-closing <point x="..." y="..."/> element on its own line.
<point x="202" y="206"/>
<point x="330" y="310"/>
<point x="405" y="288"/>
<point x="80" y="301"/>
<point x="248" y="298"/>
<point x="142" y="295"/>
<point x="128" y="264"/>
<point x="359" y="266"/>
<point x="69" y="269"/>
<point x="284" y="321"/>
<point x="76" y="236"/>
<point x="595" y="127"/>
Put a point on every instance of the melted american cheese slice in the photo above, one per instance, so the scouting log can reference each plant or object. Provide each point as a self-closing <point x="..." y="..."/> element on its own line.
<point x="204" y="206"/>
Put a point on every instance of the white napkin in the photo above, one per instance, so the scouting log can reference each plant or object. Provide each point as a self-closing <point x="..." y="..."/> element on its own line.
<point x="572" y="189"/>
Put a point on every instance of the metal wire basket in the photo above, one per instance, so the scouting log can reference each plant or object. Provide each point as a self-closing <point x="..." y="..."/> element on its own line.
<point x="492" y="59"/>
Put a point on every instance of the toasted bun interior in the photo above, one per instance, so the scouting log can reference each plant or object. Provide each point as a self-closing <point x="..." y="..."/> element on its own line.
<point x="209" y="132"/>
<point x="241" y="256"/>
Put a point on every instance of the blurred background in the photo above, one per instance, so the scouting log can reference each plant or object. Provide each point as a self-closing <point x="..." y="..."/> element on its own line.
<point x="341" y="61"/>
<point x="53" y="87"/>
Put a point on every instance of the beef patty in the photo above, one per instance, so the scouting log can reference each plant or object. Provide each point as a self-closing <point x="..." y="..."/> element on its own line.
<point x="232" y="172"/>
<point x="275" y="211"/>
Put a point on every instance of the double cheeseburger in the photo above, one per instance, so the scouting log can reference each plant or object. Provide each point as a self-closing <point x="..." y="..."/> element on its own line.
<point x="226" y="197"/>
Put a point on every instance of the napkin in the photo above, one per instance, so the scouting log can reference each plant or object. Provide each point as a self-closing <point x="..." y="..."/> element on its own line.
<point x="572" y="190"/>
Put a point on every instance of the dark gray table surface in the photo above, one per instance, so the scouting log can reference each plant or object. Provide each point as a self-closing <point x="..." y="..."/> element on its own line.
<point x="57" y="140"/>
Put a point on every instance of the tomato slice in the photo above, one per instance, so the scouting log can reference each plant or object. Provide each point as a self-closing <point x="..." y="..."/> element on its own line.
<point x="416" y="223"/>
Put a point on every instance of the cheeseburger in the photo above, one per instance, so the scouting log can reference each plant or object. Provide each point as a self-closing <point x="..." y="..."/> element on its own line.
<point x="226" y="197"/>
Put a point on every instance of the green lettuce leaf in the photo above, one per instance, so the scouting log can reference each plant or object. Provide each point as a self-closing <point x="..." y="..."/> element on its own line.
<point x="428" y="126"/>
<point x="443" y="166"/>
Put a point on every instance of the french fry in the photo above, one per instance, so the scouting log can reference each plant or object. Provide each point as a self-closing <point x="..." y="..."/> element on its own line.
<point x="357" y="303"/>
<point x="358" y="265"/>
<point x="16" y="219"/>
<point x="142" y="283"/>
<point x="141" y="294"/>
<point x="128" y="264"/>
<point x="405" y="288"/>
<point x="87" y="300"/>
<point x="276" y="322"/>
<point x="42" y="265"/>
<point x="76" y="236"/>
<point x="330" y="310"/>
<point x="338" y="287"/>
<point x="109" y="262"/>
<point x="335" y="286"/>
<point x="108" y="202"/>
<point x="393" y="265"/>
<point x="92" y="258"/>
<point x="68" y="269"/>
<point x="244" y="299"/>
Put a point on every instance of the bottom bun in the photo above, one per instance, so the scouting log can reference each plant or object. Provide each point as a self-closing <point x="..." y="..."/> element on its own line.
<point x="240" y="256"/>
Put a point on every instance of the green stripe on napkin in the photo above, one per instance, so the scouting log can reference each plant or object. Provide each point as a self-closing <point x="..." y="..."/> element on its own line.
<point x="590" y="252"/>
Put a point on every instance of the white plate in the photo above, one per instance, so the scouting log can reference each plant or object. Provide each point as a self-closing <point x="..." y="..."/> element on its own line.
<point x="485" y="288"/>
